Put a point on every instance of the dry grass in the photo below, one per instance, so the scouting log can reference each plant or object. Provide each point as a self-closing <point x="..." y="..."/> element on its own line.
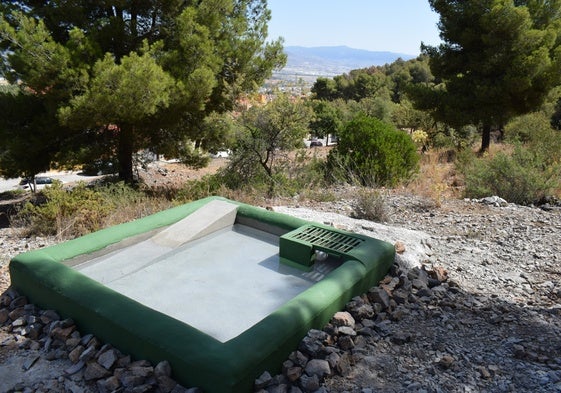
<point x="437" y="178"/>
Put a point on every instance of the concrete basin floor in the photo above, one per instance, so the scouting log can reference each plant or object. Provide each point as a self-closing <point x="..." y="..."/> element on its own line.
<point x="221" y="284"/>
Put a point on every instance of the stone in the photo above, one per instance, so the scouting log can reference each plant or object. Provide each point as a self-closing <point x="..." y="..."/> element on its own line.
<point x="367" y="331"/>
<point x="424" y="293"/>
<point x="446" y="361"/>
<point x="293" y="373"/>
<point x="4" y="315"/>
<point x="263" y="381"/>
<point x="94" y="343"/>
<point x="344" y="365"/>
<point x="343" y="318"/>
<point x="18" y="313"/>
<point x="88" y="354"/>
<point x="109" y="385"/>
<point x="313" y="343"/>
<point x="5" y="300"/>
<point x="363" y="311"/>
<point x="333" y="359"/>
<point x="29" y="362"/>
<point x="124" y="361"/>
<point x="143" y="388"/>
<point x="75" y="354"/>
<point x="401" y="338"/>
<point x="493" y="201"/>
<point x="347" y="331"/>
<point x="129" y="380"/>
<point x="163" y="369"/>
<point x="399" y="247"/>
<point x="380" y="296"/>
<point x="32" y="331"/>
<point x="19" y="301"/>
<point x="166" y="383"/>
<point x="418" y="276"/>
<point x="19" y="322"/>
<point x="495" y="301"/>
<point x="438" y="273"/>
<point x="66" y="323"/>
<point x="318" y="367"/>
<point x="346" y="343"/>
<point x="62" y="333"/>
<point x="141" y="371"/>
<point x="86" y="339"/>
<point x="419" y="284"/>
<point x="49" y="316"/>
<point x="400" y="296"/>
<point x="309" y="383"/>
<point x="485" y="374"/>
<point x="72" y="342"/>
<point x="94" y="371"/>
<point x="75" y="368"/>
<point x="108" y="358"/>
<point x="298" y="358"/>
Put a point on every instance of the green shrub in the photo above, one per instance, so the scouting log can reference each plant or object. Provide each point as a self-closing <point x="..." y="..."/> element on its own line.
<point x="83" y="209"/>
<point x="373" y="153"/>
<point x="521" y="177"/>
<point x="208" y="185"/>
<point x="526" y="128"/>
<point x="65" y="213"/>
<point x="295" y="172"/>
<point x="445" y="137"/>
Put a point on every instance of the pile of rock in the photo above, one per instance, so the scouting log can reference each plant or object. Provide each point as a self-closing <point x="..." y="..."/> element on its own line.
<point x="93" y="367"/>
<point x="420" y="331"/>
<point x="341" y="344"/>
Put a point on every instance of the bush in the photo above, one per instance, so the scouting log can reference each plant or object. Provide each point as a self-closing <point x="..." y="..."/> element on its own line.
<point x="521" y="177"/>
<point x="296" y="171"/>
<point x="193" y="190"/>
<point x="84" y="209"/>
<point x="526" y="128"/>
<point x="370" y="205"/>
<point x="445" y="137"/>
<point x="65" y="213"/>
<point x="373" y="153"/>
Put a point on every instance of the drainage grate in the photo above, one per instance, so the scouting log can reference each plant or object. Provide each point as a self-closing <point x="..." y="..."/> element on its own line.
<point x="335" y="241"/>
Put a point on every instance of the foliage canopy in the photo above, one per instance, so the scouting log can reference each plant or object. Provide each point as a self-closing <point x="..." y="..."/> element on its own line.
<point x="498" y="59"/>
<point x="119" y="77"/>
<point x="373" y="153"/>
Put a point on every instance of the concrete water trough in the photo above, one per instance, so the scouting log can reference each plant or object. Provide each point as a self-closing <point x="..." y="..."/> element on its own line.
<point x="220" y="289"/>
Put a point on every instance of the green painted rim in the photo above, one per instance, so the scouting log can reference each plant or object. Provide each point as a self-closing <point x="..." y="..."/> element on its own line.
<point x="196" y="358"/>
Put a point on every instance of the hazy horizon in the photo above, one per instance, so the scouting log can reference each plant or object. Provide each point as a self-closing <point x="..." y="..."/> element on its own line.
<point x="377" y="26"/>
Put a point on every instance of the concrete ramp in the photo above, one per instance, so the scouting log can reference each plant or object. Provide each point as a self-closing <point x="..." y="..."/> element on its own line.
<point x="210" y="218"/>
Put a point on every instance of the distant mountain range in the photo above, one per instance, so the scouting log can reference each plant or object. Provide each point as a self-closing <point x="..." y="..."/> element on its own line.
<point x="329" y="61"/>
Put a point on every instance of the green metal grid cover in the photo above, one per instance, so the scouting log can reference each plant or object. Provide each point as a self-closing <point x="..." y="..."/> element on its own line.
<point x="297" y="248"/>
<point x="320" y="237"/>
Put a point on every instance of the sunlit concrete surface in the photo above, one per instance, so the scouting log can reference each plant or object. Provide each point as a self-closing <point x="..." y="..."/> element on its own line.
<point x="221" y="284"/>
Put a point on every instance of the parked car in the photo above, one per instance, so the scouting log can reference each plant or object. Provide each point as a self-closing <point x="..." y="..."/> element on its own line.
<point x="315" y="143"/>
<point x="40" y="182"/>
<point x="221" y="154"/>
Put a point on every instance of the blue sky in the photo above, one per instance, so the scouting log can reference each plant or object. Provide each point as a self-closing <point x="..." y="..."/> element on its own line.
<point x="377" y="25"/>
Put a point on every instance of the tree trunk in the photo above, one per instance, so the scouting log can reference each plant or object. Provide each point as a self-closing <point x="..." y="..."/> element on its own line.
<point x="125" y="151"/>
<point x="485" y="138"/>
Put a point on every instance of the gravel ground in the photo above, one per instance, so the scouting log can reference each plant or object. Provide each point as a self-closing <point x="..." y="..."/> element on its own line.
<point x="492" y="323"/>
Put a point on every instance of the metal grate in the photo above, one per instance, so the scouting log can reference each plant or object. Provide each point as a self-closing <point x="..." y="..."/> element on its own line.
<point x="325" y="238"/>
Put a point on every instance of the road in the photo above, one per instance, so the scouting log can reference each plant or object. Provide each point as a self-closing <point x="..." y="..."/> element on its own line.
<point x="64" y="176"/>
